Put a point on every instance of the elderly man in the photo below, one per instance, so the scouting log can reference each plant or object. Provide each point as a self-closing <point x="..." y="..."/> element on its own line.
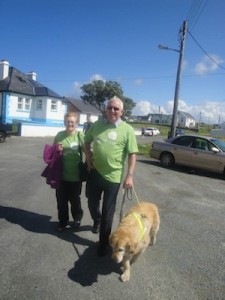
<point x="113" y="141"/>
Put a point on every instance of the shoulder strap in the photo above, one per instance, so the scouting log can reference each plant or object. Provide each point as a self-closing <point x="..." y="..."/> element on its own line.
<point x="79" y="139"/>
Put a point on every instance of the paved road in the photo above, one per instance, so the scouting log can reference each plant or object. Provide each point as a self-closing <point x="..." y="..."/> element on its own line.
<point x="187" y="262"/>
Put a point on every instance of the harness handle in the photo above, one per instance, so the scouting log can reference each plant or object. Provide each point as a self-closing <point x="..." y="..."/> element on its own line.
<point x="127" y="193"/>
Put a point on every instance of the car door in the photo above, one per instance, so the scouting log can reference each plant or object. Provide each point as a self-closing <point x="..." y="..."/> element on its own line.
<point x="203" y="157"/>
<point x="182" y="151"/>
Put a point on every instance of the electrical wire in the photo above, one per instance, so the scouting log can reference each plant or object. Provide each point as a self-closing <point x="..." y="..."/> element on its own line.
<point x="197" y="18"/>
<point x="195" y="12"/>
<point x="205" y="51"/>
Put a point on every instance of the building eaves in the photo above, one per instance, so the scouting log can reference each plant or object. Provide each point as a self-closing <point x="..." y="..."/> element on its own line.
<point x="83" y="106"/>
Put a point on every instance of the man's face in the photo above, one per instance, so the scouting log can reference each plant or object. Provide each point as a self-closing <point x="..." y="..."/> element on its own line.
<point x="114" y="111"/>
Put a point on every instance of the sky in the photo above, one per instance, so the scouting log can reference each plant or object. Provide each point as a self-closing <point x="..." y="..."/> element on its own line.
<point x="69" y="43"/>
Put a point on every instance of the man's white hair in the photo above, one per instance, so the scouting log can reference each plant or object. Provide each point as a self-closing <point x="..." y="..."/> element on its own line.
<point x="115" y="98"/>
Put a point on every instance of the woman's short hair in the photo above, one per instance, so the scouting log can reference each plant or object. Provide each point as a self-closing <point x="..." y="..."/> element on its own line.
<point x="70" y="114"/>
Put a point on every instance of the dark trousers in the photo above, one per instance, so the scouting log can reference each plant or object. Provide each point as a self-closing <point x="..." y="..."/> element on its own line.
<point x="69" y="192"/>
<point x="95" y="186"/>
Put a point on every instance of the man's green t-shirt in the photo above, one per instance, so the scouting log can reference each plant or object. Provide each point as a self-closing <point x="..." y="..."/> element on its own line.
<point x="111" y="145"/>
<point x="71" y="154"/>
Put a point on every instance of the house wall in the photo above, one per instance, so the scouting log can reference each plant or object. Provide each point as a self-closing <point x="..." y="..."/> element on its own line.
<point x="184" y="121"/>
<point x="12" y="112"/>
<point x="37" y="130"/>
<point x="163" y="119"/>
<point x="83" y="118"/>
<point x="1" y="107"/>
<point x="55" y="116"/>
<point x="45" y="115"/>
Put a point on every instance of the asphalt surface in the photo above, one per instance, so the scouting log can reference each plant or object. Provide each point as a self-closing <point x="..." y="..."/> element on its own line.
<point x="37" y="262"/>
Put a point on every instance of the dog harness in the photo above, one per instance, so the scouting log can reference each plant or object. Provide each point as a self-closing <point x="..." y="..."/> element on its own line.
<point x="139" y="220"/>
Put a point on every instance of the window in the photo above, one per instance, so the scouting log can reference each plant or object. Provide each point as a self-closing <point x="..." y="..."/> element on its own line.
<point x="20" y="103"/>
<point x="23" y="104"/>
<point x="183" y="141"/>
<point x="54" y="105"/>
<point x="39" y="104"/>
<point x="27" y="104"/>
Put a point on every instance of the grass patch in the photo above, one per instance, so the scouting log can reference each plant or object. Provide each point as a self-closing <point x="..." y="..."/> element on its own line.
<point x="144" y="149"/>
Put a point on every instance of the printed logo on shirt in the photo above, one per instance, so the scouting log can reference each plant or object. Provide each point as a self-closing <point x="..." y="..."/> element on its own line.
<point x="112" y="135"/>
<point x="74" y="146"/>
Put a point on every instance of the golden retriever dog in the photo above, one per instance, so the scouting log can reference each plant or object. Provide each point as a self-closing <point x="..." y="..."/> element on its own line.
<point x="135" y="232"/>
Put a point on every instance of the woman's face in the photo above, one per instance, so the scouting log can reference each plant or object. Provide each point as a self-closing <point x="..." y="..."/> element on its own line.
<point x="71" y="124"/>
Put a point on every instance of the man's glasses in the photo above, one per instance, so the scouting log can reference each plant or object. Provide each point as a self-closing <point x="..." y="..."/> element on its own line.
<point x="113" y="108"/>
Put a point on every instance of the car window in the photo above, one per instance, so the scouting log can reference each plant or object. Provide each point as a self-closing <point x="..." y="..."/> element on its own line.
<point x="183" y="141"/>
<point x="219" y="143"/>
<point x="200" y="144"/>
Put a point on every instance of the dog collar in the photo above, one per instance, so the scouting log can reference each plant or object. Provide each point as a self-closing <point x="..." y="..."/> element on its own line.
<point x="139" y="220"/>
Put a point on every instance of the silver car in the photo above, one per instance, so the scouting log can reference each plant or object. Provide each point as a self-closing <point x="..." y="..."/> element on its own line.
<point x="194" y="151"/>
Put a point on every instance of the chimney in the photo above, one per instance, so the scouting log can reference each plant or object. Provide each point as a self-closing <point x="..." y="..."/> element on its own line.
<point x="32" y="75"/>
<point x="4" y="69"/>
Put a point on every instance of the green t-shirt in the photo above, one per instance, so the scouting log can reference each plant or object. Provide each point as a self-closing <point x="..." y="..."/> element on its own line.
<point x="71" y="154"/>
<point x="111" y="145"/>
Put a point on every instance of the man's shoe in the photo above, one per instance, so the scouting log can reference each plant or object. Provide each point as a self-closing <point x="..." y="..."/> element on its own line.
<point x="76" y="224"/>
<point x="96" y="227"/>
<point x="103" y="250"/>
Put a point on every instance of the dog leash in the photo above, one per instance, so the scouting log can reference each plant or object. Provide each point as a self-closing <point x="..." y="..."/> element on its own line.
<point x="127" y="193"/>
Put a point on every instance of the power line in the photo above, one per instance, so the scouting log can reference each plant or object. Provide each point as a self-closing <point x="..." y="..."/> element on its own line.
<point x="132" y="78"/>
<point x="195" y="12"/>
<point x="206" y="52"/>
<point x="199" y="15"/>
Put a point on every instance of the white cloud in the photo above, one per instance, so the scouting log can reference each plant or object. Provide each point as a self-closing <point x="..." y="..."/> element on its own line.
<point x="208" y="112"/>
<point x="96" y="77"/>
<point x="76" y="88"/>
<point x="207" y="65"/>
<point x="138" y="82"/>
<point x="144" y="107"/>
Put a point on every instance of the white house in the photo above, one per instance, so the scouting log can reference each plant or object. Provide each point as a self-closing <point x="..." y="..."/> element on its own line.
<point x="183" y="119"/>
<point x="39" y="110"/>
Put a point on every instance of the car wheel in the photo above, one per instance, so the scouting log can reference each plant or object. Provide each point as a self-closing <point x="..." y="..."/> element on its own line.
<point x="2" y="137"/>
<point x="167" y="160"/>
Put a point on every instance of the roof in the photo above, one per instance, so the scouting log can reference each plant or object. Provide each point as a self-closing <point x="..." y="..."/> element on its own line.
<point x="18" y="82"/>
<point x="84" y="106"/>
<point x="187" y="115"/>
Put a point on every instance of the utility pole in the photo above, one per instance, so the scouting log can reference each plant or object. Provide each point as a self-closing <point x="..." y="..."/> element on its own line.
<point x="178" y="79"/>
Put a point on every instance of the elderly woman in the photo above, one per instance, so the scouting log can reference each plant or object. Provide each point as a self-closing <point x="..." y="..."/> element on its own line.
<point x="71" y="141"/>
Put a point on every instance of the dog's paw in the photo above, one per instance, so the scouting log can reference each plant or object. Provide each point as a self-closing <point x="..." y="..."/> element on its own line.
<point x="125" y="276"/>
